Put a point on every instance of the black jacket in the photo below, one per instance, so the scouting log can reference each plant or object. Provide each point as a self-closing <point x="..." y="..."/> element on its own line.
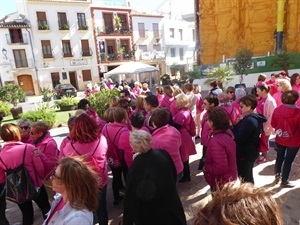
<point x="151" y="195"/>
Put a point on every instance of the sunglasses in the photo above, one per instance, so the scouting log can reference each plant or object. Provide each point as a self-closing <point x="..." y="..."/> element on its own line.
<point x="54" y="176"/>
<point x="24" y="128"/>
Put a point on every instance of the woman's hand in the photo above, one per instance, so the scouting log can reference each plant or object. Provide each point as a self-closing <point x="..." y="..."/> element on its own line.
<point x="36" y="152"/>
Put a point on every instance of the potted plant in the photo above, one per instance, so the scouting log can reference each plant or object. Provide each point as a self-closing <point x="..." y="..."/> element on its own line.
<point x="103" y="57"/>
<point x="65" y="27"/>
<point x="85" y="27"/>
<point x="13" y="94"/>
<point x="47" y="94"/>
<point x="44" y="27"/>
<point x="66" y="103"/>
<point x="121" y="51"/>
<point x="118" y="23"/>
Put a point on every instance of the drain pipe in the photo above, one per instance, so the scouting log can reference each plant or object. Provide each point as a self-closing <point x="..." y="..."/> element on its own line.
<point x="34" y="62"/>
<point x="280" y="23"/>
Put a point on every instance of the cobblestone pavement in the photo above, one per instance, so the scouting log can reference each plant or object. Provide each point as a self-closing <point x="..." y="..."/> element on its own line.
<point x="196" y="192"/>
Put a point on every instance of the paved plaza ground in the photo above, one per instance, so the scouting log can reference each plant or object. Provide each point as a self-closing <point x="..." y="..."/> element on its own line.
<point x="196" y="192"/>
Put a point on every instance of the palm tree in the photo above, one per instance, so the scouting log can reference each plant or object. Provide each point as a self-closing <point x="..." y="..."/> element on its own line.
<point x="222" y="75"/>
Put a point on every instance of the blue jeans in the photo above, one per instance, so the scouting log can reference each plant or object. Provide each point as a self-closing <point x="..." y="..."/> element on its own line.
<point x="102" y="209"/>
<point x="285" y="156"/>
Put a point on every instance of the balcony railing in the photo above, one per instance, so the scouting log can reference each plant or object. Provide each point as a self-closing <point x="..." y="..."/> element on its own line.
<point x="87" y="52"/>
<point x="21" y="63"/>
<point x="118" y="57"/>
<point x="63" y="25"/>
<point x="43" y="25"/>
<point x="16" y="39"/>
<point x="152" y="55"/>
<point x="125" y="30"/>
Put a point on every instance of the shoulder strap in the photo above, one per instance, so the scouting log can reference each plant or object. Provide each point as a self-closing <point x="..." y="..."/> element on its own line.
<point x="74" y="148"/>
<point x="81" y="154"/>
<point x="96" y="147"/>
<point x="113" y="142"/>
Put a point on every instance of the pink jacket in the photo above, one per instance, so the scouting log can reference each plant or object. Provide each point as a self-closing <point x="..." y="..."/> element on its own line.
<point x="169" y="139"/>
<point x="297" y="88"/>
<point x="269" y="107"/>
<point x="205" y="131"/>
<point x="87" y="149"/>
<point x="220" y="164"/>
<point x="184" y="118"/>
<point x="159" y="98"/>
<point x="27" y="139"/>
<point x="64" y="142"/>
<point x="49" y="154"/>
<point x="286" y="122"/>
<point x="12" y="155"/>
<point x="199" y="104"/>
<point x="236" y="105"/>
<point x="166" y="102"/>
<point x="118" y="133"/>
<point x="173" y="107"/>
<point x="232" y="113"/>
<point x="277" y="97"/>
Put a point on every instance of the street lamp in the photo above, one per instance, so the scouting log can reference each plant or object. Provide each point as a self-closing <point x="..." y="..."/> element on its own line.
<point x="4" y="52"/>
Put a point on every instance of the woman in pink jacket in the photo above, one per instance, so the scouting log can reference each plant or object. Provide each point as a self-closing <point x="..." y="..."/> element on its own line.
<point x="168" y="97"/>
<point x="24" y="125"/>
<point x="11" y="158"/>
<point x="87" y="141"/>
<point x="220" y="165"/>
<point x="167" y="137"/>
<point x="265" y="107"/>
<point x="208" y="102"/>
<point x="286" y="122"/>
<point x="47" y="146"/>
<point x="120" y="153"/>
<point x="231" y="111"/>
<point x="185" y="123"/>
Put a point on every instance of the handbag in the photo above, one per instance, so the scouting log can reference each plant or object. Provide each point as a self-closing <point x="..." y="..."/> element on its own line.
<point x="19" y="185"/>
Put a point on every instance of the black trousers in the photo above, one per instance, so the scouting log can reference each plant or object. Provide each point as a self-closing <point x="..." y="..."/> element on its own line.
<point x="117" y="182"/>
<point x="245" y="170"/>
<point x="3" y="220"/>
<point x="27" y="209"/>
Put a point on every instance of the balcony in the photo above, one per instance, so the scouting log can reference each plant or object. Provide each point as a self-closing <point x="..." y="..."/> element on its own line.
<point x="63" y="25"/>
<point x="16" y="39"/>
<point x="152" y="55"/>
<point x="67" y="54"/>
<point x="43" y="25"/>
<point x="21" y="63"/>
<point x="114" y="57"/>
<point x="87" y="52"/>
<point x="83" y="26"/>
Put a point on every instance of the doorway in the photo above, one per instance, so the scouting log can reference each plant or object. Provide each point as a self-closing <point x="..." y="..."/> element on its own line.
<point x="25" y="82"/>
<point x="73" y="79"/>
<point x="55" y="79"/>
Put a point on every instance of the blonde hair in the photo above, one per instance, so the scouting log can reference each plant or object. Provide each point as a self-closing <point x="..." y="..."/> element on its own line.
<point x="177" y="91"/>
<point x="237" y="204"/>
<point x="182" y="101"/>
<point x="140" y="141"/>
<point x="284" y="84"/>
<point x="113" y="101"/>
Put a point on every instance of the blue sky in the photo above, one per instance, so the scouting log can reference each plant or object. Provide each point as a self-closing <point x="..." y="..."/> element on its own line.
<point x="9" y="6"/>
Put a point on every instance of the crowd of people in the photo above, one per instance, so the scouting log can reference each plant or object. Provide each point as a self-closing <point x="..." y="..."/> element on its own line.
<point x="146" y="140"/>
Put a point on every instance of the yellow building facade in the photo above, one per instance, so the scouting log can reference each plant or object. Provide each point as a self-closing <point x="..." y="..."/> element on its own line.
<point x="228" y="25"/>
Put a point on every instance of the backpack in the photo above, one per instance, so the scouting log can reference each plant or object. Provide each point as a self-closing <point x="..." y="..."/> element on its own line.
<point x="19" y="184"/>
<point x="114" y="159"/>
<point x="92" y="162"/>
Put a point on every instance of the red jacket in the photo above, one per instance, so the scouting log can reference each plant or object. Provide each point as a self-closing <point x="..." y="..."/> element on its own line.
<point x="286" y="122"/>
<point x="12" y="155"/>
<point x="220" y="163"/>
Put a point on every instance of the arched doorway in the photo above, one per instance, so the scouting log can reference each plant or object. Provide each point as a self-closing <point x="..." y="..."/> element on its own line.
<point x="25" y="82"/>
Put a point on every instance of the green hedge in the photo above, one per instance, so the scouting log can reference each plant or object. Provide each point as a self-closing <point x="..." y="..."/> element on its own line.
<point x="99" y="100"/>
<point x="5" y="109"/>
<point x="45" y="114"/>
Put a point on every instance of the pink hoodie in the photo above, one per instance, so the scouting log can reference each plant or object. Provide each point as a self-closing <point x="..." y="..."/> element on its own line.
<point x="49" y="154"/>
<point x="166" y="102"/>
<point x="118" y="133"/>
<point x="12" y="155"/>
<point x="64" y="142"/>
<point x="87" y="149"/>
<point x="169" y="139"/>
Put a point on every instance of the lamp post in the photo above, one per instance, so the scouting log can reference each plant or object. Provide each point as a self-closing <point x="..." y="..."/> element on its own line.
<point x="4" y="52"/>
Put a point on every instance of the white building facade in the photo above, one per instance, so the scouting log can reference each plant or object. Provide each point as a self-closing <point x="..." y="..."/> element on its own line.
<point x="62" y="40"/>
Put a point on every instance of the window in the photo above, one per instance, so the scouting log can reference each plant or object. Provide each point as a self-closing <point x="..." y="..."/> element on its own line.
<point x="155" y="30"/>
<point x="173" y="52"/>
<point x="46" y="49"/>
<point x="172" y="33"/>
<point x="142" y="32"/>
<point x="16" y="36"/>
<point x="86" y="75"/>
<point x="180" y="34"/>
<point x="143" y="48"/>
<point x="193" y="34"/>
<point x="157" y="47"/>
<point x="81" y="21"/>
<point x="181" y="53"/>
<point x="67" y="51"/>
<point x="62" y="21"/>
<point x="42" y="21"/>
<point x="20" y="58"/>
<point x="85" y="48"/>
